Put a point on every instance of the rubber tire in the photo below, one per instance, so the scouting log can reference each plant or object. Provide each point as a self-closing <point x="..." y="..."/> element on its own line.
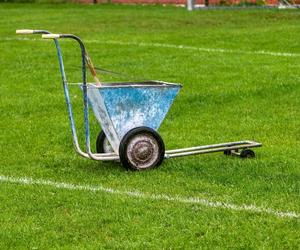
<point x="247" y="153"/>
<point x="100" y="142"/>
<point x="227" y="152"/>
<point x="133" y="132"/>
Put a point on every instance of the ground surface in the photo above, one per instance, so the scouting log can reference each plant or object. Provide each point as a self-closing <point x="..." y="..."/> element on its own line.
<point x="235" y="88"/>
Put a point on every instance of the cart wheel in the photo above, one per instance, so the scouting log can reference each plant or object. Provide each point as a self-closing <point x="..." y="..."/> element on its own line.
<point x="102" y="144"/>
<point x="247" y="153"/>
<point x="141" y="148"/>
<point x="227" y="152"/>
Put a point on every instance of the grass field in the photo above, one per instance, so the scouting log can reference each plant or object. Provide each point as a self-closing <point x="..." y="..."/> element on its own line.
<point x="241" y="73"/>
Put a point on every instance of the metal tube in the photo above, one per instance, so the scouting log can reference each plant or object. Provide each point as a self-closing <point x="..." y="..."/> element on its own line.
<point x="211" y="150"/>
<point x="227" y="144"/>
<point x="190" y="5"/>
<point x="104" y="157"/>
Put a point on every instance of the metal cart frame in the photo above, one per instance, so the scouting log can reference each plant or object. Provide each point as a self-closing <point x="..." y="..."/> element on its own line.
<point x="238" y="148"/>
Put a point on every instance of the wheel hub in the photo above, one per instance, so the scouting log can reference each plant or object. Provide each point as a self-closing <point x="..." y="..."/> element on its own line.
<point x="107" y="147"/>
<point x="142" y="150"/>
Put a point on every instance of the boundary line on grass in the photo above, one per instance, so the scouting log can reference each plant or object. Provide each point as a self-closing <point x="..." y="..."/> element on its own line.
<point x="141" y="195"/>
<point x="174" y="46"/>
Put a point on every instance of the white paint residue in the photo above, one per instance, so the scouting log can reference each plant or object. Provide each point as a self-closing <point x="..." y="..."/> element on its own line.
<point x="127" y="120"/>
<point x="174" y="46"/>
<point x="129" y="114"/>
<point x="160" y="197"/>
<point x="103" y="118"/>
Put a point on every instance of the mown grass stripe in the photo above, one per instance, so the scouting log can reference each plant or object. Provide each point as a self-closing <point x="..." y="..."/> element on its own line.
<point x="162" y="197"/>
<point x="173" y="46"/>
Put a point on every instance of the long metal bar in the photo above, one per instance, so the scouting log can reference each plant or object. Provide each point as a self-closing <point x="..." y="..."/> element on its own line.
<point x="210" y="149"/>
<point x="156" y="84"/>
<point x="226" y="144"/>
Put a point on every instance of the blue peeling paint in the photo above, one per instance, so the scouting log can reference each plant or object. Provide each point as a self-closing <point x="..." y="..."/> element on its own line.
<point x="132" y="106"/>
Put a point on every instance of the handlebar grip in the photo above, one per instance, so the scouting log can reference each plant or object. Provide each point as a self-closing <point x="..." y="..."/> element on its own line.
<point x="24" y="32"/>
<point x="50" y="36"/>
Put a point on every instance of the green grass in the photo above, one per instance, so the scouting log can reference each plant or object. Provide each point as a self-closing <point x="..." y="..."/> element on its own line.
<point x="226" y="97"/>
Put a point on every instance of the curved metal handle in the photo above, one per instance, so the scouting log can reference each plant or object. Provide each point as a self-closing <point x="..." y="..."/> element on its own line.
<point x="48" y="35"/>
<point x="84" y="53"/>
<point x="85" y="60"/>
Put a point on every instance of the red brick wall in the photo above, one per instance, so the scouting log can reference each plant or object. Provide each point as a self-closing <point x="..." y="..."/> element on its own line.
<point x="90" y="1"/>
<point x="270" y="2"/>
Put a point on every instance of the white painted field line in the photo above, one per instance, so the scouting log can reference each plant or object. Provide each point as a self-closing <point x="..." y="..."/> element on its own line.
<point x="173" y="46"/>
<point x="186" y="47"/>
<point x="162" y="197"/>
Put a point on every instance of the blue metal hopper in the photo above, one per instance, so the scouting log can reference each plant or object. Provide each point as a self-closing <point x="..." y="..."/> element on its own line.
<point x="120" y="107"/>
